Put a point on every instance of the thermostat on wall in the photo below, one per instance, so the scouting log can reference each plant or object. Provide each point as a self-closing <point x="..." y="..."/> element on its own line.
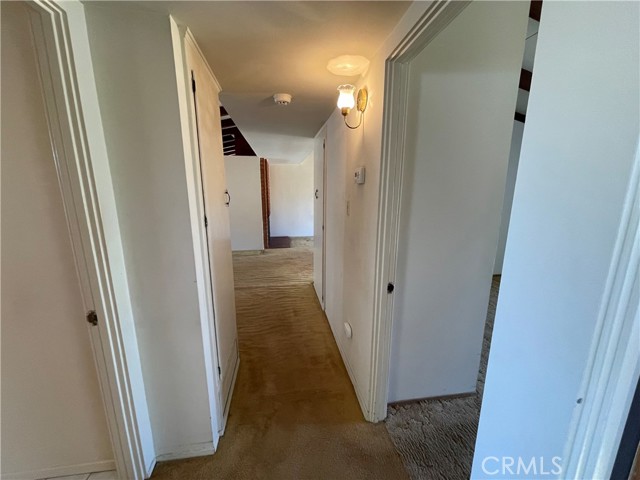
<point x="358" y="176"/>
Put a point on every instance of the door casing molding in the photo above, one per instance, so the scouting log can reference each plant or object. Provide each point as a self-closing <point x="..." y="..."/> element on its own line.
<point x="613" y="365"/>
<point x="78" y="144"/>
<point x="430" y="24"/>
<point x="613" y="368"/>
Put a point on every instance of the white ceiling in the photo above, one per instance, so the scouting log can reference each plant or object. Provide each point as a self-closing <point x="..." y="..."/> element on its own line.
<point x="260" y="48"/>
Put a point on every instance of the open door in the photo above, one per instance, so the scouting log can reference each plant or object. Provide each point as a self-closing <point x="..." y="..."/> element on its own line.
<point x="216" y="199"/>
<point x="51" y="388"/>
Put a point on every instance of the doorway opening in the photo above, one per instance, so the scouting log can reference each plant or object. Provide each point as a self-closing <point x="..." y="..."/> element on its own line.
<point x="458" y="144"/>
<point x="271" y="205"/>
<point x="43" y="330"/>
<point x="68" y="313"/>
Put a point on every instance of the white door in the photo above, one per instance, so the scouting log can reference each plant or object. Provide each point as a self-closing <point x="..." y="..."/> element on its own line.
<point x="318" y="216"/>
<point x="53" y="417"/>
<point x="216" y="205"/>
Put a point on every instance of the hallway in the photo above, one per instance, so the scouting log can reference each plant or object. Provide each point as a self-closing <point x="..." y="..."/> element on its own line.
<point x="294" y="414"/>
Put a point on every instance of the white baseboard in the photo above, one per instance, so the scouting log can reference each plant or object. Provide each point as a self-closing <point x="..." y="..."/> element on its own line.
<point x="61" y="471"/>
<point x="188" y="451"/>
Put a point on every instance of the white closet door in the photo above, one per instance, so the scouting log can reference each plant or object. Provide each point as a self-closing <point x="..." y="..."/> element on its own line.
<point x="216" y="202"/>
<point x="318" y="216"/>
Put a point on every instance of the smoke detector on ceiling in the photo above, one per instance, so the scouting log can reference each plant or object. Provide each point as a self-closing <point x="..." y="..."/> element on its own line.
<point x="282" y="98"/>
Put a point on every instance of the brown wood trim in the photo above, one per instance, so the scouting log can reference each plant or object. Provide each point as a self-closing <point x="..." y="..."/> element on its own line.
<point x="266" y="201"/>
<point x="243" y="147"/>
<point x="279" y="242"/>
<point x="227" y="122"/>
<point x="525" y="79"/>
<point x="535" y="9"/>
<point x="232" y="137"/>
<point x="519" y="117"/>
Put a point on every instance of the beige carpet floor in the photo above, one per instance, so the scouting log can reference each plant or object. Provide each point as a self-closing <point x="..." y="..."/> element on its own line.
<point x="294" y="414"/>
<point x="436" y="438"/>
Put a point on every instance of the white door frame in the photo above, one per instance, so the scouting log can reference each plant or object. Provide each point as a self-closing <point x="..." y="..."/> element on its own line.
<point x="77" y="139"/>
<point x="432" y="22"/>
<point x="324" y="218"/>
<point x="614" y="362"/>
<point x="613" y="366"/>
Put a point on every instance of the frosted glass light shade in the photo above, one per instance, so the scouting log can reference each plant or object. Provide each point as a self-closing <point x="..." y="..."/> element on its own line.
<point x="348" y="65"/>
<point x="346" y="98"/>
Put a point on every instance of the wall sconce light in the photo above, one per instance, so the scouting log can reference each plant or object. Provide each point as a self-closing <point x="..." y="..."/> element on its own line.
<point x="346" y="102"/>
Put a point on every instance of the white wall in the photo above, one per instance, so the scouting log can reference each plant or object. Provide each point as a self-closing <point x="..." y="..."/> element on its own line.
<point x="512" y="173"/>
<point x="351" y="276"/>
<point x="245" y="211"/>
<point x="578" y="148"/>
<point x="52" y="410"/>
<point x="136" y="81"/>
<point x="291" y="188"/>
<point x="457" y="151"/>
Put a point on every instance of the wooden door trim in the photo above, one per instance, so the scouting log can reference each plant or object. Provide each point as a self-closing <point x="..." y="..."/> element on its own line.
<point x="265" y="195"/>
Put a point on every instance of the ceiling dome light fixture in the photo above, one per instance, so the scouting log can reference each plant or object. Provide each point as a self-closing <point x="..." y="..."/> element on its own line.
<point x="348" y="65"/>
<point x="346" y="102"/>
<point x="282" y="98"/>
